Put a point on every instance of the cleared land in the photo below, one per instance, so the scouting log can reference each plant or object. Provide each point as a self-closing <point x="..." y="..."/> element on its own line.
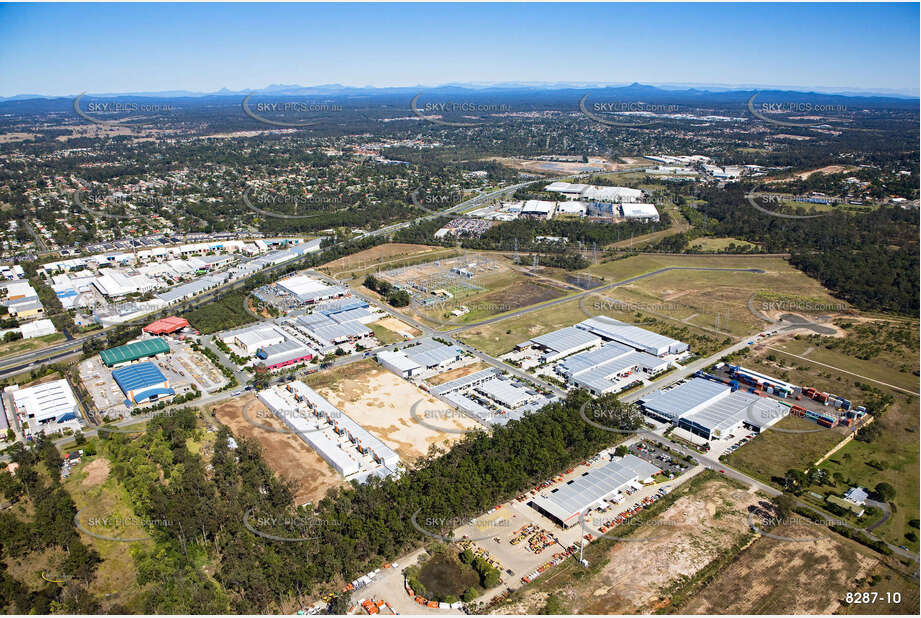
<point x="768" y="456"/>
<point x="376" y="256"/>
<point x="382" y="403"/>
<point x="701" y="297"/>
<point x="782" y="577"/>
<point x="454" y="374"/>
<point x="99" y="495"/>
<point x="286" y="454"/>
<point x="708" y="518"/>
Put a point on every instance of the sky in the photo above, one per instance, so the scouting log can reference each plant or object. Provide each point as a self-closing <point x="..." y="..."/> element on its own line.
<point x="66" y="49"/>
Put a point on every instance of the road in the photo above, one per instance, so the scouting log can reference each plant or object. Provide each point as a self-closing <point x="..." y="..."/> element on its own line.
<point x="22" y="362"/>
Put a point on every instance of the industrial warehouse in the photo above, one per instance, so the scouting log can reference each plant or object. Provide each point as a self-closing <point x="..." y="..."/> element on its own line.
<point x="142" y="383"/>
<point x="47" y="405"/>
<point x="345" y="445"/>
<point x="601" y="355"/>
<point x="131" y="352"/>
<point x="611" y="368"/>
<point x="427" y="357"/>
<point x="593" y="489"/>
<point x="494" y="399"/>
<point x="712" y="410"/>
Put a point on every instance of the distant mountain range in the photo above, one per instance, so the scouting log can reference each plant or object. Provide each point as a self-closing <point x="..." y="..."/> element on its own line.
<point x="635" y="91"/>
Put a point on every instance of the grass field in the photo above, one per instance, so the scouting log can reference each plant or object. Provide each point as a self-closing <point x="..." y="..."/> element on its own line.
<point x="500" y="337"/>
<point x="772" y="453"/>
<point x="26" y="345"/>
<point x="886" y="583"/>
<point x="896" y="448"/>
<point x="699" y="296"/>
<point x="97" y="494"/>
<point x="719" y="244"/>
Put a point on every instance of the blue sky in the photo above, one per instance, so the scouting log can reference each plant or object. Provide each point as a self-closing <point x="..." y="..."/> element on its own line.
<point x="60" y="49"/>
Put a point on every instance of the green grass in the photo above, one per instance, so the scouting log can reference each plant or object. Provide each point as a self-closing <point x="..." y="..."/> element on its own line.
<point x="384" y="335"/>
<point x="25" y="345"/>
<point x="769" y="455"/>
<point x="222" y="314"/>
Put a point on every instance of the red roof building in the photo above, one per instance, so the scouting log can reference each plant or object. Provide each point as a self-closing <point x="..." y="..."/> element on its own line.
<point x="166" y="326"/>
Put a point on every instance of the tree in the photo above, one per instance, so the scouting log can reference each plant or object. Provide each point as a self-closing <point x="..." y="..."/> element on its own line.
<point x="795" y="481"/>
<point x="553" y="607"/>
<point x="470" y="594"/>
<point x="621" y="451"/>
<point x="784" y="504"/>
<point x="467" y="556"/>
<point x="341" y="604"/>
<point x="885" y="491"/>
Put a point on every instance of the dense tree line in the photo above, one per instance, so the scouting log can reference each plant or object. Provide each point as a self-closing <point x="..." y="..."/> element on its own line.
<point x="869" y="259"/>
<point x="397" y="298"/>
<point x="50" y="525"/>
<point x="355" y="528"/>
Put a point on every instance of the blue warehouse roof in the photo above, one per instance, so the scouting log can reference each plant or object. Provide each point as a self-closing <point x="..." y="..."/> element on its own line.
<point x="139" y="376"/>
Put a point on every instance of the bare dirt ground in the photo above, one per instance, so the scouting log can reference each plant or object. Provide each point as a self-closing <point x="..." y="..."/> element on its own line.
<point x="567" y="167"/>
<point x="773" y="576"/>
<point x="382" y="403"/>
<point x="97" y="471"/>
<point x="375" y="254"/>
<point x="454" y="374"/>
<point x="687" y="536"/>
<point x="398" y="326"/>
<point x="286" y="454"/>
<point x="521" y="294"/>
<point x="828" y="169"/>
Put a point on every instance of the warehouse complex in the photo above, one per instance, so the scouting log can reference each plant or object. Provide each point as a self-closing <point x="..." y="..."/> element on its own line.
<point x="142" y="383"/>
<point x="131" y="352"/>
<point x="593" y="489"/>
<point x="308" y="290"/>
<point x="610" y="368"/>
<point x="492" y="398"/>
<point x="712" y="410"/>
<point x="45" y="404"/>
<point x="345" y="445"/>
<point x="633" y="336"/>
<point x="428" y="356"/>
<point x="601" y="355"/>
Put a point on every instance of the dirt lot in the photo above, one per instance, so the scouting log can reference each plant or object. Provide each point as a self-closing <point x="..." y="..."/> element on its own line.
<point x="773" y="576"/>
<point x="567" y="167"/>
<point x="377" y="254"/>
<point x="96" y="472"/>
<point x="398" y="326"/>
<point x="521" y="294"/>
<point x="381" y="403"/>
<point x="287" y="454"/>
<point x="454" y="374"/>
<point x="690" y="533"/>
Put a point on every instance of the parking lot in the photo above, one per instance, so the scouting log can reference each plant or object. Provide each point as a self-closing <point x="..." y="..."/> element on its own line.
<point x="662" y="459"/>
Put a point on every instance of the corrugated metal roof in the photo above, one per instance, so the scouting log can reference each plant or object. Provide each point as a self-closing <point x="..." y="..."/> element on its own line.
<point x="579" y="494"/>
<point x="139" y="376"/>
<point x="134" y="351"/>
<point x="566" y="339"/>
<point x="635" y="336"/>
<point x="684" y="398"/>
